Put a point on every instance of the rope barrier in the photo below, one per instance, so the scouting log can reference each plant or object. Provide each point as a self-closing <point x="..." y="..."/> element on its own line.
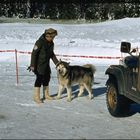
<point x="25" y="52"/>
<point x="97" y="57"/>
<point x="81" y="56"/>
<point x="7" y="50"/>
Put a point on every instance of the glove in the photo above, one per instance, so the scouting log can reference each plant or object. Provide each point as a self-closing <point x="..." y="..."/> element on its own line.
<point x="31" y="68"/>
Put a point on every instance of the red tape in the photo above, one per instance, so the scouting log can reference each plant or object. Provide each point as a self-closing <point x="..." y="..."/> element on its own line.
<point x="7" y="50"/>
<point x="81" y="56"/>
<point x="24" y="52"/>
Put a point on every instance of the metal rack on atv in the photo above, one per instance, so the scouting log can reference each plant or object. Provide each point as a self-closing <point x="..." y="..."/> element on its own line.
<point x="123" y="84"/>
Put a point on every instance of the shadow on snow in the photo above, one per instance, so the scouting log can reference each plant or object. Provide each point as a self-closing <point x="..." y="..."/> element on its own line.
<point x="75" y="90"/>
<point x="134" y="108"/>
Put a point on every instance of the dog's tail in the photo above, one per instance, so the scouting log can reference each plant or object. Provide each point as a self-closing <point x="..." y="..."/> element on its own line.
<point x="90" y="66"/>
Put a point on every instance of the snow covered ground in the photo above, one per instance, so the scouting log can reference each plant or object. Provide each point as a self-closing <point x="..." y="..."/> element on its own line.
<point x="21" y="118"/>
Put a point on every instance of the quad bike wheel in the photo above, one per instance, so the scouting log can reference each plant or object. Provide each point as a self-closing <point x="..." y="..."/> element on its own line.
<point x="118" y="105"/>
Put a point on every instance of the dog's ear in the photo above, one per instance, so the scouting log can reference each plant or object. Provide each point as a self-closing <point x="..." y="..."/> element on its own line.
<point x="67" y="63"/>
<point x="58" y="63"/>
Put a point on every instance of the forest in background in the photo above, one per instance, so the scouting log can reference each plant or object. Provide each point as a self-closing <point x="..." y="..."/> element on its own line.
<point x="69" y="9"/>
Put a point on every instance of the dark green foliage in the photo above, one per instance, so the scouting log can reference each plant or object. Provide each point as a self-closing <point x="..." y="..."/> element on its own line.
<point x="70" y="9"/>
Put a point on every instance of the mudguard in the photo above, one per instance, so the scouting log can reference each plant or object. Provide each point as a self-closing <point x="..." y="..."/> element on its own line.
<point x="117" y="72"/>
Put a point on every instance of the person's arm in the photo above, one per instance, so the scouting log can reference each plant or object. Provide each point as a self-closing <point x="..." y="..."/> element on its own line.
<point x="54" y="59"/>
<point x="34" y="56"/>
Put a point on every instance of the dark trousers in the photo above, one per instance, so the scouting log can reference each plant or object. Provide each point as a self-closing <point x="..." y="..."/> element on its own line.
<point x="42" y="80"/>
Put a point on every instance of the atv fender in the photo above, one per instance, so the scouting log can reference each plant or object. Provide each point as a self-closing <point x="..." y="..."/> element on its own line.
<point x="115" y="72"/>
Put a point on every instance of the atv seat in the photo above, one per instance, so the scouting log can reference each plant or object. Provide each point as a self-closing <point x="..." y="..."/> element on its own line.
<point x="131" y="61"/>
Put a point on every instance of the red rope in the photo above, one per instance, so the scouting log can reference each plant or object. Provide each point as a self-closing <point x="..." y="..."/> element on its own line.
<point x="81" y="56"/>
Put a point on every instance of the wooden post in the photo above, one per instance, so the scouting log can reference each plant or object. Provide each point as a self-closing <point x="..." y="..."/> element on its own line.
<point x="138" y="80"/>
<point x="16" y="67"/>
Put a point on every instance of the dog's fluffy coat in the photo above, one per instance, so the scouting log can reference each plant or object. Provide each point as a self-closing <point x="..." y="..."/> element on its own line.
<point x="69" y="75"/>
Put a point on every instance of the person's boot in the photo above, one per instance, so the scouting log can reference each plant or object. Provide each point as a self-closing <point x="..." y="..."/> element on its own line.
<point x="36" y="95"/>
<point x="43" y="98"/>
<point x="46" y="93"/>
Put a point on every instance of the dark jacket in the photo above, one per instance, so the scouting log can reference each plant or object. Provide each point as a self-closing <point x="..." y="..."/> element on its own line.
<point x="41" y="54"/>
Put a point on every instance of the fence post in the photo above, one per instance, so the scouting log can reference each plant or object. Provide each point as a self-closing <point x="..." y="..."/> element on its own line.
<point x="16" y="67"/>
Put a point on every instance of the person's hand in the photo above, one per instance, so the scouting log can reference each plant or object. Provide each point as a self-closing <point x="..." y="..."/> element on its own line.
<point x="31" y="68"/>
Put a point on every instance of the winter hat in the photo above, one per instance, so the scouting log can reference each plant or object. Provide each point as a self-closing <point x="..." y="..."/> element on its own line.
<point x="51" y="31"/>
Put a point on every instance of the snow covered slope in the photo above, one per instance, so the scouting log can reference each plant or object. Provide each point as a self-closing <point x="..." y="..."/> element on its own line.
<point x="21" y="118"/>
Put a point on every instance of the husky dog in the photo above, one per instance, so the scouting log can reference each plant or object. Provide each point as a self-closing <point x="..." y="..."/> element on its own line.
<point x="69" y="75"/>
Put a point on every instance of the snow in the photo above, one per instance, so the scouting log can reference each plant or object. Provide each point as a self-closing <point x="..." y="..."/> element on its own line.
<point x="20" y="117"/>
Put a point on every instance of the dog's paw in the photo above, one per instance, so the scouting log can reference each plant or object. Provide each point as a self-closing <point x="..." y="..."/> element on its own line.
<point x="90" y="97"/>
<point x="57" y="97"/>
<point x="69" y="99"/>
<point x="79" y="95"/>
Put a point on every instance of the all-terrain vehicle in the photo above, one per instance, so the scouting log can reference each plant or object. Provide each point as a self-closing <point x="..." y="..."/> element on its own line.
<point x="123" y="84"/>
